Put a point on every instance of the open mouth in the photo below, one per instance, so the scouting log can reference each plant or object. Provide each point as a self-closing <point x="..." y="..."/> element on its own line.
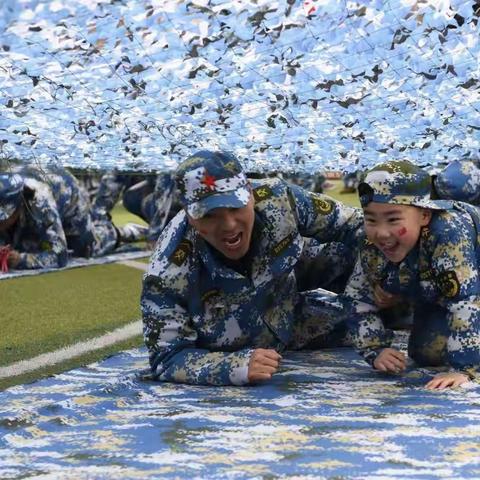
<point x="389" y="250"/>
<point x="233" y="242"/>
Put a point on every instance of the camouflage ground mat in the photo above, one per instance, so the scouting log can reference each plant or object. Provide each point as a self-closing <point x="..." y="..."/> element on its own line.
<point x="120" y="255"/>
<point x="326" y="415"/>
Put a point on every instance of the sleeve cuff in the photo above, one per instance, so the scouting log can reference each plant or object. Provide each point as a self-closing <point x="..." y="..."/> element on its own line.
<point x="370" y="355"/>
<point x="239" y="373"/>
<point x="471" y="372"/>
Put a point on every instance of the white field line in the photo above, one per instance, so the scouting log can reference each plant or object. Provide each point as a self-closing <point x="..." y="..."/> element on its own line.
<point x="134" y="264"/>
<point x="51" y="358"/>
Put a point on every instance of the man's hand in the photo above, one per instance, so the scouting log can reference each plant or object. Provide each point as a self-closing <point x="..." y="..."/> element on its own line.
<point x="384" y="299"/>
<point x="263" y="364"/>
<point x="390" y="360"/>
<point x="447" y="380"/>
<point x="13" y="258"/>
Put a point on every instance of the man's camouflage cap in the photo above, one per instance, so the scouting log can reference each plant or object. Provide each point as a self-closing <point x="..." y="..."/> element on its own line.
<point x="209" y="180"/>
<point x="11" y="187"/>
<point x="399" y="183"/>
<point x="459" y="180"/>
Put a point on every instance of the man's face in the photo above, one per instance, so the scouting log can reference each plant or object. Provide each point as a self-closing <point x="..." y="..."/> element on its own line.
<point x="9" y="222"/>
<point x="394" y="229"/>
<point x="229" y="230"/>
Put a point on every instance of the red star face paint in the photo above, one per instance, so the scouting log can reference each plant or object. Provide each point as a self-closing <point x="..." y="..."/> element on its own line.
<point x="402" y="232"/>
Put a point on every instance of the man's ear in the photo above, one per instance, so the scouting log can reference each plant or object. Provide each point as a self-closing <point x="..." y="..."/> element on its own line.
<point x="425" y="217"/>
<point x="250" y="189"/>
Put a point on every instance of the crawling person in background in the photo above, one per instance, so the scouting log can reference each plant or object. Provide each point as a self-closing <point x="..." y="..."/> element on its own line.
<point x="44" y="213"/>
<point x="220" y="299"/>
<point x="153" y="198"/>
<point x="89" y="233"/>
<point x="31" y="232"/>
<point x="428" y="252"/>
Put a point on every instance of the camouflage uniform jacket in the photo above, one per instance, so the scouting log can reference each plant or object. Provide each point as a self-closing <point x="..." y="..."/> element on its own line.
<point x="202" y="319"/>
<point x="72" y="200"/>
<point x="38" y="234"/>
<point x="158" y="205"/>
<point x="443" y="270"/>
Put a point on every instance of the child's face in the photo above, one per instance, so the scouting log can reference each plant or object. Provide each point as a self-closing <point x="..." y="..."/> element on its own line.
<point x="394" y="229"/>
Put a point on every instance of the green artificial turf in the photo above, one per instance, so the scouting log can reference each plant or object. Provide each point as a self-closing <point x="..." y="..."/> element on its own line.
<point x="347" y="198"/>
<point x="53" y="310"/>
<point x="143" y="260"/>
<point x="121" y="216"/>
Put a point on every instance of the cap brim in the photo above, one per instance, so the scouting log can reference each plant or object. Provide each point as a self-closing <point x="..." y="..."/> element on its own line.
<point x="435" y="204"/>
<point x="235" y="199"/>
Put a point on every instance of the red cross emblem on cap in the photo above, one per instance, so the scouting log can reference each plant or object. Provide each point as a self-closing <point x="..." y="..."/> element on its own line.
<point x="209" y="181"/>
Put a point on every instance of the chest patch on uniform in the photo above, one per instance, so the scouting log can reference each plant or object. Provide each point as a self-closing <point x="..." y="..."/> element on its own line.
<point x="262" y="193"/>
<point x="425" y="275"/>
<point x="321" y="206"/>
<point x="210" y="294"/>
<point x="181" y="252"/>
<point x="282" y="245"/>
<point x="448" y="284"/>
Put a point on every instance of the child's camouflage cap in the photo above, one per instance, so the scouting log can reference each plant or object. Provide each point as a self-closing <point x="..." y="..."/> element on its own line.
<point x="400" y="183"/>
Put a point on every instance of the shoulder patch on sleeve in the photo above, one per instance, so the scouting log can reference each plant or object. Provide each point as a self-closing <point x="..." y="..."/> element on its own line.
<point x="448" y="284"/>
<point x="262" y="193"/>
<point x="181" y="253"/>
<point x="321" y="206"/>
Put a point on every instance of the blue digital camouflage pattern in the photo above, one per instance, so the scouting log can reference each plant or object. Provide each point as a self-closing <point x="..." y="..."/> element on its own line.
<point x="11" y="187"/>
<point x="124" y="254"/>
<point x="38" y="233"/>
<point x="87" y="234"/>
<point x="399" y="183"/>
<point x="156" y="207"/>
<point x="201" y="318"/>
<point x="151" y="198"/>
<point x="323" y="416"/>
<point x="440" y="278"/>
<point x="208" y="180"/>
<point x="460" y="180"/>
<point x="111" y="186"/>
<point x="324" y="265"/>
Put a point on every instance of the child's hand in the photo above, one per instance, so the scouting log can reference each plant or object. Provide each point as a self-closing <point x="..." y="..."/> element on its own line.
<point x="390" y="360"/>
<point x="446" y="380"/>
<point x="384" y="299"/>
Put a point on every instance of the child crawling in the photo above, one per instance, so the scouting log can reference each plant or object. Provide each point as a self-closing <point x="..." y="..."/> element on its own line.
<point x="426" y="251"/>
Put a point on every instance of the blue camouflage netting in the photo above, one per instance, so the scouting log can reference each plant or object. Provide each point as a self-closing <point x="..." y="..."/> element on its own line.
<point x="285" y="85"/>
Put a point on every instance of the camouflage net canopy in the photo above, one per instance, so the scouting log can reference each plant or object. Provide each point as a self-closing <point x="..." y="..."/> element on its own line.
<point x="285" y="85"/>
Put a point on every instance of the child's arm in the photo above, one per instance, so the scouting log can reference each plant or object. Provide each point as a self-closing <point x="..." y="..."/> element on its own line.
<point x="366" y="327"/>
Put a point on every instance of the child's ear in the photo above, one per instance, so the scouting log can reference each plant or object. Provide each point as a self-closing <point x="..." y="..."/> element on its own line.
<point x="425" y="217"/>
